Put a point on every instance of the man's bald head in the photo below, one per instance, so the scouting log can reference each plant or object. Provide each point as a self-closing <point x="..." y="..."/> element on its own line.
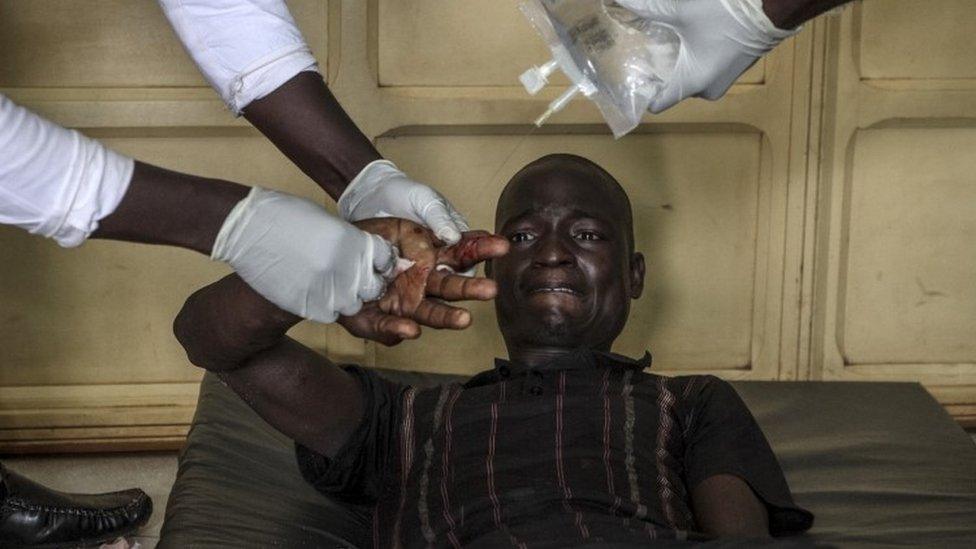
<point x="573" y="167"/>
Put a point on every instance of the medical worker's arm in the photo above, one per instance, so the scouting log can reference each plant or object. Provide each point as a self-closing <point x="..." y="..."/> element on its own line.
<point x="62" y="185"/>
<point x="171" y="208"/>
<point x="254" y="56"/>
<point x="721" y="39"/>
<point x="787" y="14"/>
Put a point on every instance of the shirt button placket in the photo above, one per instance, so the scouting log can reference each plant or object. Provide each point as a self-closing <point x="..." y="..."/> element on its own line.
<point x="536" y="389"/>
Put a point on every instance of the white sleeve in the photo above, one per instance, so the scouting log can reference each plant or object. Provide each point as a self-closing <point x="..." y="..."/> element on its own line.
<point x="246" y="49"/>
<point x="56" y="182"/>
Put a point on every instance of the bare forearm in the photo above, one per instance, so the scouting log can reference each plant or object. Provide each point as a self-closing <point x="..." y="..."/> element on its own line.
<point x="725" y="506"/>
<point x="788" y="14"/>
<point x="167" y="207"/>
<point x="229" y="329"/>
<point x="224" y="324"/>
<point x="300" y="394"/>
<point x="305" y="121"/>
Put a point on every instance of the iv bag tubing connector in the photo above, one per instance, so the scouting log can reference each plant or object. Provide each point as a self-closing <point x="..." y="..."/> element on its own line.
<point x="558" y="104"/>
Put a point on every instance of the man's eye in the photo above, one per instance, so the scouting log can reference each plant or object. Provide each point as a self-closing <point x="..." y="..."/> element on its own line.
<point x="521" y="237"/>
<point x="588" y="235"/>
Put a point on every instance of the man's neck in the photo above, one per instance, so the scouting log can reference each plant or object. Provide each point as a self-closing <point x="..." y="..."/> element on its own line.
<point x="538" y="355"/>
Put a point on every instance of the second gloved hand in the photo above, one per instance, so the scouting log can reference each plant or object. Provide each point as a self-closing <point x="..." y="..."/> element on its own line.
<point x="720" y="39"/>
<point x="301" y="258"/>
<point x="382" y="190"/>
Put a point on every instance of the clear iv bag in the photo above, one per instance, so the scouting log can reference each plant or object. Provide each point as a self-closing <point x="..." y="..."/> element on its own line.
<point x="614" y="57"/>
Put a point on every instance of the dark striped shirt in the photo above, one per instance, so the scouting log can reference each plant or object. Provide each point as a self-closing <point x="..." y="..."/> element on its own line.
<point x="588" y="449"/>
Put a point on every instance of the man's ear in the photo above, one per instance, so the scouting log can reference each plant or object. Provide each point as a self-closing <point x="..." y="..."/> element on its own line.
<point x="637" y="269"/>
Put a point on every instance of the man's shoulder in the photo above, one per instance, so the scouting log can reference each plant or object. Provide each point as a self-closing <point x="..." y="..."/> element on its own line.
<point x="418" y="381"/>
<point x="689" y="386"/>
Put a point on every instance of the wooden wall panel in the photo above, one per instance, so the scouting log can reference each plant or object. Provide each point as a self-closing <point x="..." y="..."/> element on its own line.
<point x="917" y="40"/>
<point x="460" y="43"/>
<point x="90" y="362"/>
<point x="766" y="216"/>
<point x="910" y="292"/>
<point x="109" y="44"/>
<point x="895" y="262"/>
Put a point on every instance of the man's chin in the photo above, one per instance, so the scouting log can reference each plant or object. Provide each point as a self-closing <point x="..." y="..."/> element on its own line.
<point x="551" y="307"/>
<point x="553" y="329"/>
<point x="546" y="325"/>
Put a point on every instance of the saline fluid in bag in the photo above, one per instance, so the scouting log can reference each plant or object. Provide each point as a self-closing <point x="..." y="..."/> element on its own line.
<point x="617" y="59"/>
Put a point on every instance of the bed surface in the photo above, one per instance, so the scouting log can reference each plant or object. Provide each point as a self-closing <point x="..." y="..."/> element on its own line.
<point x="879" y="464"/>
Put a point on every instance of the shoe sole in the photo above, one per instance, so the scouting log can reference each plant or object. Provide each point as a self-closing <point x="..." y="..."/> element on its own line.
<point x="81" y="544"/>
<point x="91" y="542"/>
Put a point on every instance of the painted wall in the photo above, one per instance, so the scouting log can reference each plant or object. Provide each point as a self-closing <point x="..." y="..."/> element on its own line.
<point x="817" y="223"/>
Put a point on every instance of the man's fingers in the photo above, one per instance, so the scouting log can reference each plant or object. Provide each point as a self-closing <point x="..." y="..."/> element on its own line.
<point x="442" y="316"/>
<point x="455" y="287"/>
<point x="474" y="247"/>
<point x="371" y="323"/>
<point x="395" y="327"/>
<point x="404" y="294"/>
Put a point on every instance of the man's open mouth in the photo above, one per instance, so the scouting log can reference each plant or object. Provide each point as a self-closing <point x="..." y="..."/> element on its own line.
<point x="554" y="289"/>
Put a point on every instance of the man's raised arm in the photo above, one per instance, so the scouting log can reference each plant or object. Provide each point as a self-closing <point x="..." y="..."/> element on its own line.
<point x="231" y="330"/>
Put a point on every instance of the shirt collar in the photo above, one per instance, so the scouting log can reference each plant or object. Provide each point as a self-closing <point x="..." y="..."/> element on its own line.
<point x="580" y="359"/>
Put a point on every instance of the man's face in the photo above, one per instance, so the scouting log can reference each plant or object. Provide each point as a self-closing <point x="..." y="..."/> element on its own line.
<point x="569" y="277"/>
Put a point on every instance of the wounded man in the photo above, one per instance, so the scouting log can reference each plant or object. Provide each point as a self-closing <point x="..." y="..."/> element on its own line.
<point x="563" y="444"/>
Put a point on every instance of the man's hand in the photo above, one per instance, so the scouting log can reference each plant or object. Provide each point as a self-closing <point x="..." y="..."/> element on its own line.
<point x="407" y="304"/>
<point x="720" y="39"/>
<point x="382" y="190"/>
<point x="301" y="258"/>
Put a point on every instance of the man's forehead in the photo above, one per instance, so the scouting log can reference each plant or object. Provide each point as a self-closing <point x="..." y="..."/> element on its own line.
<point x="565" y="191"/>
<point x="557" y="210"/>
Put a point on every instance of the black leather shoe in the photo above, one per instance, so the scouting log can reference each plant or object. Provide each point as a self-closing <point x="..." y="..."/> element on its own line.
<point x="32" y="515"/>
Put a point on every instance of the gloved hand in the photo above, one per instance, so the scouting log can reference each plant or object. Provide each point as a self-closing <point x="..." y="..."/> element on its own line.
<point x="720" y="39"/>
<point x="382" y="190"/>
<point x="301" y="258"/>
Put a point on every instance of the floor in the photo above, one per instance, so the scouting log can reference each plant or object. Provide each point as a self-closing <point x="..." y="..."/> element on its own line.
<point x="154" y="473"/>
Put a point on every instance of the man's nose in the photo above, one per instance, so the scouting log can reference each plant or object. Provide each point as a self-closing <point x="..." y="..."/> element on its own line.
<point x="553" y="251"/>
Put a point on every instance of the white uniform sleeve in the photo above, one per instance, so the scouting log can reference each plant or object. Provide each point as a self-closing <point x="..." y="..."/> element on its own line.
<point x="246" y="49"/>
<point x="56" y="182"/>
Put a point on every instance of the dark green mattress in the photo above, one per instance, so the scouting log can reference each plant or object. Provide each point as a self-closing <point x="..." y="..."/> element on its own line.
<point x="879" y="464"/>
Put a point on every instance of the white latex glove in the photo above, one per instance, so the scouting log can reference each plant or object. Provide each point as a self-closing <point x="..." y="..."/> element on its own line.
<point x="382" y="190"/>
<point x="301" y="258"/>
<point x="720" y="40"/>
